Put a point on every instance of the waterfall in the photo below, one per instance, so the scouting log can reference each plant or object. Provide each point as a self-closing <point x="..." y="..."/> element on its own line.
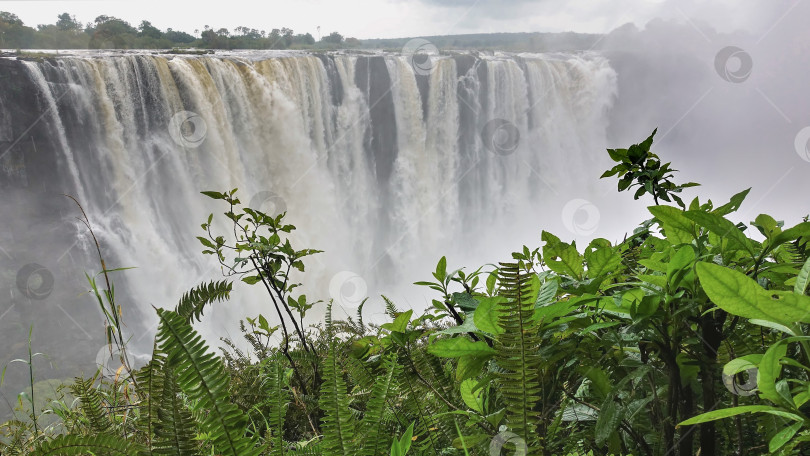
<point x="383" y="164"/>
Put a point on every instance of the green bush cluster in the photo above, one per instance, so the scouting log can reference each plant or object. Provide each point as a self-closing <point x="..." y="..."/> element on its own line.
<point x="638" y="348"/>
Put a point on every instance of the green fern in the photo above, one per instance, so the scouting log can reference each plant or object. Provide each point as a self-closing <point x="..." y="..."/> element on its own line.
<point x="193" y="302"/>
<point x="278" y="399"/>
<point x="91" y="404"/>
<point x="338" y="423"/>
<point x="100" y="444"/>
<point x="517" y="349"/>
<point x="376" y="440"/>
<point x="150" y="383"/>
<point x="201" y="376"/>
<point x="390" y="307"/>
<point x="176" y="429"/>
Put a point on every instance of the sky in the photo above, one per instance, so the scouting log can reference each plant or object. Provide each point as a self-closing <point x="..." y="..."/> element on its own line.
<point x="404" y="18"/>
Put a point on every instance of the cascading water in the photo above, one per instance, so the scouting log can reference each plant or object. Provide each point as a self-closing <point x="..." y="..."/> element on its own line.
<point x="383" y="164"/>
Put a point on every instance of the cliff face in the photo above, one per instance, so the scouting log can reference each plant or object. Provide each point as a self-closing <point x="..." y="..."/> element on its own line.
<point x="25" y="145"/>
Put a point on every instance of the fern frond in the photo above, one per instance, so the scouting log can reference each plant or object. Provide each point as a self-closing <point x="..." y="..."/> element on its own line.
<point x="390" y="308"/>
<point x="176" y="429"/>
<point x="201" y="376"/>
<point x="374" y="436"/>
<point x="91" y="404"/>
<point x="105" y="444"/>
<point x="193" y="302"/>
<point x="278" y="401"/>
<point x="517" y="353"/>
<point x="338" y="423"/>
<point x="150" y="385"/>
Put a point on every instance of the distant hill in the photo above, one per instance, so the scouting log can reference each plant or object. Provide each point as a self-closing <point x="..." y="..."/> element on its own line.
<point x="514" y="42"/>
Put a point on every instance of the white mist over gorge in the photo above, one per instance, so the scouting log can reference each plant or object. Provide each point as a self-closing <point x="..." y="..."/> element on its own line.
<point x="385" y="159"/>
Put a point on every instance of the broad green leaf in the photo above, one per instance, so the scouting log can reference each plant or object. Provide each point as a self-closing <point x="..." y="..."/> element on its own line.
<point x="465" y="301"/>
<point x="769" y="370"/>
<point x="723" y="228"/>
<point x="608" y="420"/>
<point x="740" y="295"/>
<point x="733" y="411"/>
<point x="470" y="366"/>
<point x="632" y="296"/>
<point x="441" y="269"/>
<point x="678" y="228"/>
<point x="473" y="398"/>
<point x="767" y="225"/>
<point x="554" y="310"/>
<point x="743" y="363"/>
<point x="602" y="261"/>
<point x="801" y="230"/>
<point x="679" y="264"/>
<point x="486" y="315"/>
<point x="654" y="265"/>
<point x="400" y="323"/>
<point x="457" y="347"/>
<point x="569" y="262"/>
<point x="772" y="325"/>
<point x="250" y="280"/>
<point x="802" y="279"/>
<point x="657" y="280"/>
<point x="734" y="204"/>
<point x="548" y="291"/>
<point x="467" y="327"/>
<point x="782" y="437"/>
<point x="600" y="381"/>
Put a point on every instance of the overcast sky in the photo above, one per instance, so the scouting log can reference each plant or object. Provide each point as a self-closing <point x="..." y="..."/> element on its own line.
<point x="402" y="18"/>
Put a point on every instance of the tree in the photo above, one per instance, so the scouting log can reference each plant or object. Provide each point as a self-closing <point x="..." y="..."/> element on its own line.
<point x="179" y="37"/>
<point x="111" y="32"/>
<point x="307" y="39"/>
<point x="147" y="29"/>
<point x="333" y="37"/>
<point x="10" y="18"/>
<point x="68" y="23"/>
<point x="288" y="36"/>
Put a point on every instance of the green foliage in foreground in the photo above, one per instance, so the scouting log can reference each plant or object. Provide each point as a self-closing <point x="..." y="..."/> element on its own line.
<point x="689" y="337"/>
